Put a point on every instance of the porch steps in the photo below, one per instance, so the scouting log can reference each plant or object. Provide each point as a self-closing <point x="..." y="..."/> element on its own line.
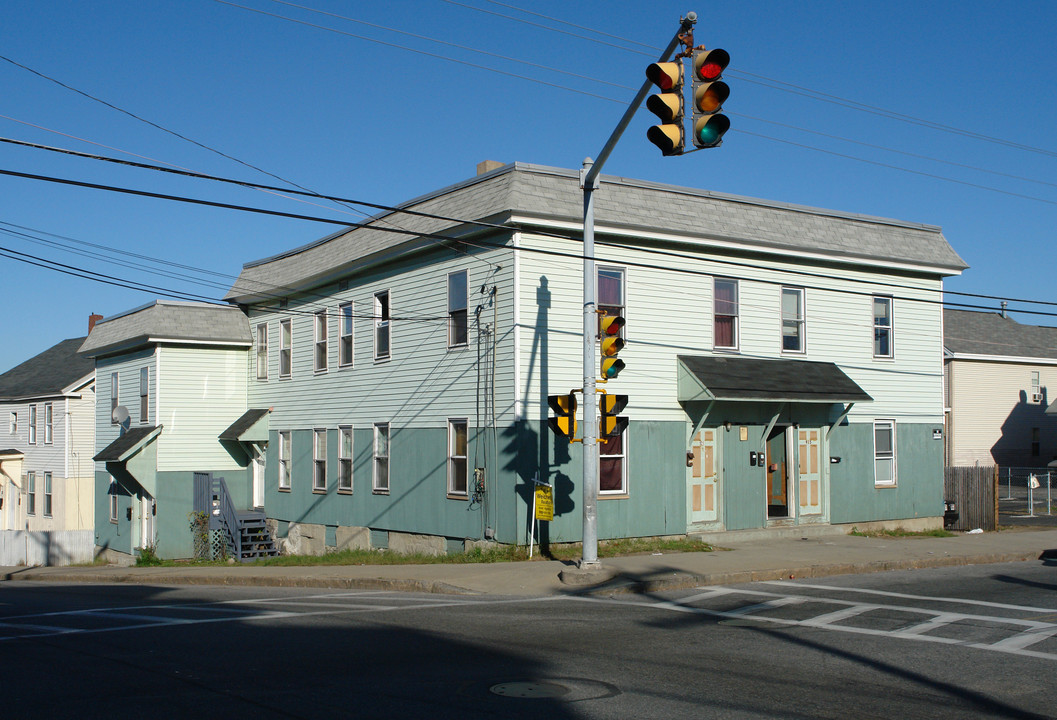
<point x="256" y="541"/>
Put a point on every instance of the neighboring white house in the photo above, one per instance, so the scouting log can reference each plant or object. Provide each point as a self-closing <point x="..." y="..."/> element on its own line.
<point x="999" y="376"/>
<point x="47" y="406"/>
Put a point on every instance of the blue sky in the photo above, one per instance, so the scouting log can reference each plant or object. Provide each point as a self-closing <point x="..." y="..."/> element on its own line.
<point x="933" y="112"/>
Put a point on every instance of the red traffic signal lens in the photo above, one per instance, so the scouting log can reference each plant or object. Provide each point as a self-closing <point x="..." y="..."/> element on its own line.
<point x="710" y="71"/>
<point x="611" y="324"/>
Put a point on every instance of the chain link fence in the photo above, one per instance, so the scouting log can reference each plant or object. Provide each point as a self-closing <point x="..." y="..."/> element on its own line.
<point x="1027" y="493"/>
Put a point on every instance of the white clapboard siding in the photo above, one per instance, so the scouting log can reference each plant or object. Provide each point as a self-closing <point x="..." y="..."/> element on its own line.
<point x="423" y="383"/>
<point x="669" y="312"/>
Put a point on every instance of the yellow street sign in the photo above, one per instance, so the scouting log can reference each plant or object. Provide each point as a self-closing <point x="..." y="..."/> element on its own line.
<point x="544" y="502"/>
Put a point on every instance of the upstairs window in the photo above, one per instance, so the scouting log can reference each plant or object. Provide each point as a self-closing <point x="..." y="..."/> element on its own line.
<point x="381" y="325"/>
<point x="793" y="329"/>
<point x="114" y="400"/>
<point x="286" y="343"/>
<point x="321" y="341"/>
<point x="144" y="395"/>
<point x="611" y="294"/>
<point x="725" y="314"/>
<point x="882" y="327"/>
<point x="345" y="335"/>
<point x="32" y="424"/>
<point x="262" y="351"/>
<point x="49" y="424"/>
<point x="13" y="424"/>
<point x="458" y="301"/>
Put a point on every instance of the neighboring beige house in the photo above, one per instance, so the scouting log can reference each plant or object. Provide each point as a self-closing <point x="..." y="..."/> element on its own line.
<point x="1000" y="376"/>
<point x="47" y="407"/>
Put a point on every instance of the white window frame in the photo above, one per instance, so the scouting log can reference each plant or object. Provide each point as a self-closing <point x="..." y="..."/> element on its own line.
<point x="383" y="324"/>
<point x="47" y="494"/>
<point x="284" y="464"/>
<point x="888" y="329"/>
<point x="49" y="423"/>
<point x="13" y="426"/>
<point x="286" y="348"/>
<point x="610" y="308"/>
<point x="798" y="321"/>
<point x="262" y="351"/>
<point x="623" y="456"/>
<point x="736" y="315"/>
<point x="32" y="439"/>
<point x="319" y="461"/>
<point x="321" y="343"/>
<point x="380" y="480"/>
<point x="345" y="459"/>
<point x="113" y="501"/>
<point x="115" y="392"/>
<point x="458" y="464"/>
<point x="346" y="327"/>
<point x="31" y="492"/>
<point x="886" y="455"/>
<point x="458" y="310"/>
<point x="144" y="395"/>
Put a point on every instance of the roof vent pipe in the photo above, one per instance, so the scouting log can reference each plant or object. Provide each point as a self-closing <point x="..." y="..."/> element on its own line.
<point x="1004" y="303"/>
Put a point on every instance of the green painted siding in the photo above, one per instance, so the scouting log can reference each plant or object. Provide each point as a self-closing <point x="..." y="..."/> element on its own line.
<point x="119" y="536"/>
<point x="919" y="488"/>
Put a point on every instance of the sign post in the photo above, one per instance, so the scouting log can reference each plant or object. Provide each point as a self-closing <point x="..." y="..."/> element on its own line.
<point x="542" y="507"/>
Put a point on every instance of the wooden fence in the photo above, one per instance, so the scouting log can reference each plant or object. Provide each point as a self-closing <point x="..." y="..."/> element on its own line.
<point x="46" y="547"/>
<point x="974" y="491"/>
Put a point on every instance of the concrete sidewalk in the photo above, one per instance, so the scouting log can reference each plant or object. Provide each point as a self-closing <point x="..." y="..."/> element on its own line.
<point x="741" y="560"/>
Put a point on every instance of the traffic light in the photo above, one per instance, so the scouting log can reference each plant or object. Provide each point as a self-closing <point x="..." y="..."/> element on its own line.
<point x="709" y="95"/>
<point x="668" y="106"/>
<point x="564" y="407"/>
<point x="609" y="407"/>
<point x="610" y="345"/>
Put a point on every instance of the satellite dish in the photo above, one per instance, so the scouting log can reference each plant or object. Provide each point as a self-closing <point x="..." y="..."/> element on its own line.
<point x="121" y="417"/>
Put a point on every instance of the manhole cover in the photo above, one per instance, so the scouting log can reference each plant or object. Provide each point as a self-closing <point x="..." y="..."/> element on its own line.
<point x="530" y="689"/>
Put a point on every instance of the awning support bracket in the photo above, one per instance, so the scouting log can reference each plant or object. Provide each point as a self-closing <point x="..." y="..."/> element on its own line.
<point x="700" y="423"/>
<point x="839" y="420"/>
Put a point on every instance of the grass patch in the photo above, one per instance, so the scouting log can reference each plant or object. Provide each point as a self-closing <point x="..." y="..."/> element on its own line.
<point x="902" y="533"/>
<point x="495" y="554"/>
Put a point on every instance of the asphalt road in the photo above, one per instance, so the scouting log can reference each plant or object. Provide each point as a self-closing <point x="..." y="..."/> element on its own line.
<point x="961" y="642"/>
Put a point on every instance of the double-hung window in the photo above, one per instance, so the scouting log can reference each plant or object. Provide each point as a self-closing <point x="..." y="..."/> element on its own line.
<point x="262" y="351"/>
<point x="611" y="293"/>
<point x="381" y="458"/>
<point x="725" y="314"/>
<point x="13" y="427"/>
<point x="286" y="344"/>
<point x="882" y="327"/>
<point x="457" y="463"/>
<point x="319" y="461"/>
<point x="321" y="346"/>
<point x="47" y="494"/>
<point x="49" y="424"/>
<point x="458" y="301"/>
<point x="32" y="424"/>
<point x="382" y="324"/>
<point x="112" y="492"/>
<point x="31" y="493"/>
<point x="284" y="459"/>
<point x="144" y="395"/>
<point x="794" y="336"/>
<point x="345" y="459"/>
<point x="884" y="451"/>
<point x="345" y="335"/>
<point x="115" y="387"/>
<point x="612" y="473"/>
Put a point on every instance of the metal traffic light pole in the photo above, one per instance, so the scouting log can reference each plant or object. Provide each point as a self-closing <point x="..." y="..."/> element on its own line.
<point x="589" y="183"/>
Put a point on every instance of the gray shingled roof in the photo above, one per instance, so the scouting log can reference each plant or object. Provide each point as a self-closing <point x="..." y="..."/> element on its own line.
<point x="168" y="320"/>
<point x="967" y="332"/>
<point x="552" y="194"/>
<point x="759" y="379"/>
<point x="128" y="444"/>
<point x="48" y="373"/>
<point x="246" y="421"/>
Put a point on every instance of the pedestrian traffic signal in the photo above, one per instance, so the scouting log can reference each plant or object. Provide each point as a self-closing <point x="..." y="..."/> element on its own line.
<point x="564" y="422"/>
<point x="610" y="406"/>
<point x="668" y="106"/>
<point x="709" y="95"/>
<point x="611" y="343"/>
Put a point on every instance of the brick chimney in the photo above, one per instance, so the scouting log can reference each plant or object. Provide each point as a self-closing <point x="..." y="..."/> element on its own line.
<point x="92" y="320"/>
<point x="487" y="166"/>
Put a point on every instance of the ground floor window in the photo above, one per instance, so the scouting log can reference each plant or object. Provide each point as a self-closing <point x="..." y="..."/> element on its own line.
<point x="457" y="465"/>
<point x="47" y="494"/>
<point x="284" y="460"/>
<point x="31" y="493"/>
<point x="345" y="459"/>
<point x="381" y="457"/>
<point x="884" y="442"/>
<point x="612" y="475"/>
<point x="113" y="501"/>
<point x="319" y="461"/>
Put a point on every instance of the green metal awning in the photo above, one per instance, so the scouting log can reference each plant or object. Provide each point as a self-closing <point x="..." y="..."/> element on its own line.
<point x="740" y="379"/>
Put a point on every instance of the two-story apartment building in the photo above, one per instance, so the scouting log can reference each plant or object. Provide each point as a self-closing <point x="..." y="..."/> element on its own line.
<point x="783" y="364"/>
<point x="171" y="380"/>
<point x="1000" y="376"/>
<point x="47" y="405"/>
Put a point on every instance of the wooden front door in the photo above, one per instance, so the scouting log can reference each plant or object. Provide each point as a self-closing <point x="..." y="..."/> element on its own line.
<point x="703" y="481"/>
<point x="809" y="472"/>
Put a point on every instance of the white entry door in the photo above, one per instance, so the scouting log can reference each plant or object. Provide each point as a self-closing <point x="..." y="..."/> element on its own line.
<point x="258" y="476"/>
